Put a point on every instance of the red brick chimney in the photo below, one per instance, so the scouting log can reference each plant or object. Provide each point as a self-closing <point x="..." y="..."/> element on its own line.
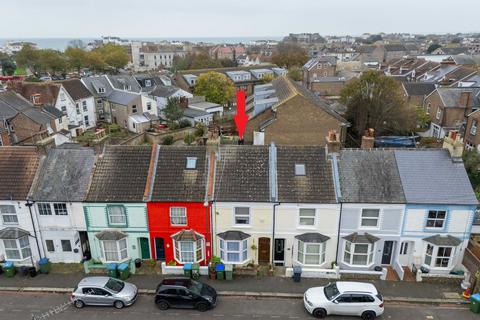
<point x="464" y="98"/>
<point x="368" y="139"/>
<point x="333" y="142"/>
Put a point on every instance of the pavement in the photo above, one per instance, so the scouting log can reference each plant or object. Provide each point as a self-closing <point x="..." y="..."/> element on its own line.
<point x="267" y="286"/>
<point x="56" y="307"/>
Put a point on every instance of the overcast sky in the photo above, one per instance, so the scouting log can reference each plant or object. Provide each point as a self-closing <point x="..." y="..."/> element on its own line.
<point x="220" y="18"/>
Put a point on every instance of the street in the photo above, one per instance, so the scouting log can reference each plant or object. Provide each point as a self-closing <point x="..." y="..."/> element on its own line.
<point x="24" y="305"/>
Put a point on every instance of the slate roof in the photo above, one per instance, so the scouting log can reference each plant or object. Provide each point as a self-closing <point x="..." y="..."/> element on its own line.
<point x="114" y="235"/>
<point x="323" y="59"/>
<point x="18" y="166"/>
<point x="53" y="111"/>
<point x="242" y="174"/>
<point x="64" y="175"/>
<point x="431" y="177"/>
<point x="233" y="235"/>
<point x="186" y="235"/>
<point x="369" y="176"/>
<point x="451" y="96"/>
<point x="361" y="238"/>
<point x="7" y="111"/>
<point x="118" y="82"/>
<point x="447" y="240"/>
<point x="164" y="91"/>
<point x="316" y="186"/>
<point x="193" y="113"/>
<point x="94" y="82"/>
<point x="38" y="116"/>
<point x="120" y="174"/>
<point x="395" y="47"/>
<point x="122" y="97"/>
<point x="312" y="237"/>
<point x="418" y="88"/>
<point x="13" y="233"/>
<point x="173" y="181"/>
<point x="15" y="101"/>
<point x="76" y="89"/>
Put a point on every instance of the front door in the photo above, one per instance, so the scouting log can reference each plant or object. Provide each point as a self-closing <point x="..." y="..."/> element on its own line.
<point x="387" y="252"/>
<point x="404" y="254"/>
<point x="85" y="245"/>
<point x="279" y="254"/>
<point x="144" y="248"/>
<point x="263" y="250"/>
<point x="159" y="249"/>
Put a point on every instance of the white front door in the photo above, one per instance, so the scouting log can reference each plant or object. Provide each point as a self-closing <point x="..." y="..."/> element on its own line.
<point x="405" y="251"/>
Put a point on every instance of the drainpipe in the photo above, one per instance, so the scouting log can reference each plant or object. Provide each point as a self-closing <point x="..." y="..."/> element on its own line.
<point x="338" y="233"/>
<point x="29" y="204"/>
<point x="273" y="233"/>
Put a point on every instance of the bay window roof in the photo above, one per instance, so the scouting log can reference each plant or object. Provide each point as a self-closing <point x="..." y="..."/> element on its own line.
<point x="361" y="238"/>
<point x="13" y="233"/>
<point x="110" y="235"/>
<point x="186" y="235"/>
<point x="312" y="237"/>
<point x="233" y="235"/>
<point x="439" y="240"/>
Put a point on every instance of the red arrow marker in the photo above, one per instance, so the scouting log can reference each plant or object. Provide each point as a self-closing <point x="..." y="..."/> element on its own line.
<point x="241" y="117"/>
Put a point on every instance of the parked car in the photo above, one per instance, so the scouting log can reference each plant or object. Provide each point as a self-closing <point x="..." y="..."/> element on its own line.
<point x="344" y="298"/>
<point x="45" y="78"/>
<point x="186" y="294"/>
<point x="104" y="291"/>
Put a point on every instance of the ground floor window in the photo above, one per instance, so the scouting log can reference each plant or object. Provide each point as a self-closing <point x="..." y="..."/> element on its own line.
<point x="114" y="250"/>
<point x="233" y="251"/>
<point x="17" y="249"/>
<point x="311" y="253"/>
<point x="438" y="257"/>
<point x="358" y="254"/>
<point x="189" y="251"/>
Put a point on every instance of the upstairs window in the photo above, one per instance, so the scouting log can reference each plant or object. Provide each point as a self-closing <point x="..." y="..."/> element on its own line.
<point x="9" y="214"/>
<point x="306" y="217"/>
<point x="473" y="129"/>
<point x="178" y="216"/>
<point x="242" y="216"/>
<point x="44" y="209"/>
<point x="149" y="106"/>
<point x="116" y="215"/>
<point x="77" y="107"/>
<point x="84" y="105"/>
<point x="436" y="219"/>
<point x="439" y="113"/>
<point x="370" y="218"/>
<point x="134" y="108"/>
<point x="299" y="169"/>
<point x="60" y="209"/>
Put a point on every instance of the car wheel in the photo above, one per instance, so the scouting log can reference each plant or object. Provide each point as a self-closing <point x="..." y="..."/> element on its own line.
<point x="79" y="304"/>
<point x="118" y="304"/>
<point x="319" y="313"/>
<point x="163" y="305"/>
<point x="368" y="315"/>
<point x="201" y="306"/>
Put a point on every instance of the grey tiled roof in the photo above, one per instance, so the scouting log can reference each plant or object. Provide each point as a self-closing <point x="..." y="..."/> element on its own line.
<point x="110" y="235"/>
<point x="233" y="235"/>
<point x="119" y="81"/>
<point x="122" y="97"/>
<point x="418" y="88"/>
<point x="451" y="96"/>
<point x="431" y="177"/>
<point x="76" y="89"/>
<point x="120" y="174"/>
<point x="447" y="240"/>
<point x="361" y="238"/>
<point x="314" y="237"/>
<point x="242" y="174"/>
<point x="13" y="233"/>
<point x="316" y="186"/>
<point x="369" y="176"/>
<point x="18" y="166"/>
<point x="173" y="181"/>
<point x="64" y="175"/>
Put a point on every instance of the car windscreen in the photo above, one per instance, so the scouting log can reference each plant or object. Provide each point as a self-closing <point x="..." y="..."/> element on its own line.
<point x="331" y="291"/>
<point x="195" y="287"/>
<point x="114" y="285"/>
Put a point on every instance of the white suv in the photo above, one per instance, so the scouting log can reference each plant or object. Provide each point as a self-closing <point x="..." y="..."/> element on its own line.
<point x="344" y="298"/>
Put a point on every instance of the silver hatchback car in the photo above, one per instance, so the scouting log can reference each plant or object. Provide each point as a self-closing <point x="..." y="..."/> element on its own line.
<point x="104" y="291"/>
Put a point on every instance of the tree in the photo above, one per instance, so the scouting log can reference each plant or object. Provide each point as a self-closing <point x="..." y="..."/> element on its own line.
<point x="471" y="160"/>
<point x="173" y="111"/>
<point x="215" y="87"/>
<point x="52" y="61"/>
<point x="28" y="57"/>
<point x="95" y="61"/>
<point x="8" y="67"/>
<point x="77" y="58"/>
<point x="433" y="47"/>
<point x="113" y="55"/>
<point x="295" y="73"/>
<point x="289" y="55"/>
<point x="268" y="78"/>
<point x="376" y="101"/>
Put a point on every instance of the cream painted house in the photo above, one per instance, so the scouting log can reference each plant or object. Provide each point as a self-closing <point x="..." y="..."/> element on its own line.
<point x="275" y="205"/>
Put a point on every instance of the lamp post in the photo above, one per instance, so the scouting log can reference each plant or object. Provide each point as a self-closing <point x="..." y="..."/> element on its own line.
<point x="29" y="204"/>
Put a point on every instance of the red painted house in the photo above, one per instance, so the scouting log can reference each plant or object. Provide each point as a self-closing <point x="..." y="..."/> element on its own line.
<point x="177" y="207"/>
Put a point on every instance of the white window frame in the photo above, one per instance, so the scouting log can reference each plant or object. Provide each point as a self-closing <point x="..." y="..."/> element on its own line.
<point x="302" y="248"/>
<point x="44" y="209"/>
<point x="180" y="214"/>
<point x="377" y="226"/>
<point x="198" y="251"/>
<point x="191" y="163"/>
<point x="53" y="244"/>
<point x="60" y="211"/>
<point x="121" y="253"/>
<point x="433" y="256"/>
<point x="242" y="215"/>
<point x="300" y="169"/>
<point x="307" y="217"/>
<point x="70" y="242"/>
<point x="110" y="215"/>
<point x="352" y="253"/>
<point x="84" y="105"/>
<point x="5" y="212"/>
<point x="23" y="250"/>
<point x="473" y="129"/>
<point x="444" y="220"/>
<point x="439" y="113"/>
<point x="436" y="130"/>
<point x="242" y="251"/>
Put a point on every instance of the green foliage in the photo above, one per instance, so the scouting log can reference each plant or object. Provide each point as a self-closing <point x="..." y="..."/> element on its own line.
<point x="471" y="160"/>
<point x="295" y="73"/>
<point x="215" y="87"/>
<point x="113" y="55"/>
<point x="429" y="142"/>
<point x="173" y="111"/>
<point x="199" y="130"/>
<point x="423" y="119"/>
<point x="171" y="263"/>
<point x="86" y="138"/>
<point x="76" y="43"/>
<point x="77" y="58"/>
<point x="8" y="67"/>
<point x="376" y="101"/>
<point x="200" y="60"/>
<point x="215" y="260"/>
<point x="32" y="79"/>
<point x="289" y="55"/>
<point x="114" y="128"/>
<point x="184" y="123"/>
<point x="27" y="57"/>
<point x="268" y="78"/>
<point x="188" y="139"/>
<point x="433" y="47"/>
<point x="168" y="140"/>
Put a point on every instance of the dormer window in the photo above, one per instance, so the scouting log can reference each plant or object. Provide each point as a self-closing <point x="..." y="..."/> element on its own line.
<point x="191" y="163"/>
<point x="101" y="90"/>
<point x="299" y="169"/>
<point x="148" y="83"/>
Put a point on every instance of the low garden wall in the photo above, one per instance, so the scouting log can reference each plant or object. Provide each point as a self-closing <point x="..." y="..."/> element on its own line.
<point x="178" y="270"/>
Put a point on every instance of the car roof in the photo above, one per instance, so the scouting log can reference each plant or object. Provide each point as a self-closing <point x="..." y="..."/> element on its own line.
<point x="93" y="281"/>
<point x="350" y="286"/>
<point x="185" y="282"/>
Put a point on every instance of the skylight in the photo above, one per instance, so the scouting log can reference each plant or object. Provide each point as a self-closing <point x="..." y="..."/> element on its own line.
<point x="191" y="162"/>
<point x="299" y="169"/>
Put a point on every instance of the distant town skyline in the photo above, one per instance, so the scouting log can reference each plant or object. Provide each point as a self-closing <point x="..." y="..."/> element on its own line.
<point x="217" y="18"/>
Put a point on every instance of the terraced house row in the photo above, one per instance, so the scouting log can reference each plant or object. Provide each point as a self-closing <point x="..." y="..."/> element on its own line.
<point x="282" y="205"/>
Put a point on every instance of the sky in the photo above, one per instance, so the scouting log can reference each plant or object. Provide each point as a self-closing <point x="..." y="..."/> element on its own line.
<point x="230" y="18"/>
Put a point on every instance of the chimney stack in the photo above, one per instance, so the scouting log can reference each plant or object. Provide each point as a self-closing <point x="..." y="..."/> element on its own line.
<point x="333" y="142"/>
<point x="464" y="98"/>
<point x="368" y="139"/>
<point x="453" y="143"/>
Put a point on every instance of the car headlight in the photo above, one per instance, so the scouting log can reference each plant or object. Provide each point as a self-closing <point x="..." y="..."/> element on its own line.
<point x="308" y="302"/>
<point x="209" y="299"/>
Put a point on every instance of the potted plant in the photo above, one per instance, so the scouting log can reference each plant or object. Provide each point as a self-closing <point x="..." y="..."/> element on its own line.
<point x="211" y="267"/>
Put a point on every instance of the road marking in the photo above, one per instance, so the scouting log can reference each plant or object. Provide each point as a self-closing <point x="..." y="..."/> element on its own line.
<point x="16" y="310"/>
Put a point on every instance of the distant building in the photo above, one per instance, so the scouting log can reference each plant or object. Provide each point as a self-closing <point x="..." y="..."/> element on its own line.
<point x="13" y="47"/>
<point x="151" y="56"/>
<point x="230" y="52"/>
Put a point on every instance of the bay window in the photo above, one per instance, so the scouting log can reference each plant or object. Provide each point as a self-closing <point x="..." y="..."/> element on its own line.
<point x="114" y="250"/>
<point x="358" y="254"/>
<point x="438" y="256"/>
<point x="9" y="214"/>
<point x="17" y="249"/>
<point x="311" y="253"/>
<point x="232" y="251"/>
<point x="189" y="251"/>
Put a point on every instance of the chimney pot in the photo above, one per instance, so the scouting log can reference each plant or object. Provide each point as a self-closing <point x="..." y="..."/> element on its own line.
<point x="368" y="139"/>
<point x="454" y="145"/>
<point x="333" y="142"/>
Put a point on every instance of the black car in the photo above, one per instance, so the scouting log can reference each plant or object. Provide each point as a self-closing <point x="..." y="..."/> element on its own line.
<point x="186" y="294"/>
